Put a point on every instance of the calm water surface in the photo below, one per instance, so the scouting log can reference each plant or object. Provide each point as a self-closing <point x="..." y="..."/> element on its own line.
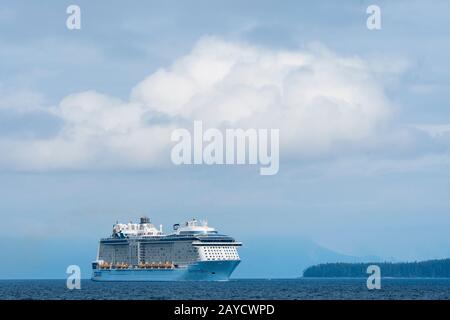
<point x="300" y="289"/>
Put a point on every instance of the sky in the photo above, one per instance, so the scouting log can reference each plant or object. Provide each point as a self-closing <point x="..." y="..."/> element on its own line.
<point x="86" y="117"/>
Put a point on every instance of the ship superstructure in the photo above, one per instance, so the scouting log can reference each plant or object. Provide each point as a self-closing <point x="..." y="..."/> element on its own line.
<point x="141" y="252"/>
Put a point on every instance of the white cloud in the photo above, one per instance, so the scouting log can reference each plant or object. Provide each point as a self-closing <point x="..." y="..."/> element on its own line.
<point x="315" y="97"/>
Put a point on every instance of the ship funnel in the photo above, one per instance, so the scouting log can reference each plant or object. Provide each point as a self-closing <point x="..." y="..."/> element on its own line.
<point x="145" y="220"/>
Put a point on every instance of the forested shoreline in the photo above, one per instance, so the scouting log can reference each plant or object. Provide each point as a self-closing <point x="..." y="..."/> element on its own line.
<point x="417" y="269"/>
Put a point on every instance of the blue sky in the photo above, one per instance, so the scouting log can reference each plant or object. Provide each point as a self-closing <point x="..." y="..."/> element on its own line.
<point x="84" y="137"/>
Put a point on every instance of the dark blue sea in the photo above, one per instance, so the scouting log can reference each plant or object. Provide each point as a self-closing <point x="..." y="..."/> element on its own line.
<point x="300" y="289"/>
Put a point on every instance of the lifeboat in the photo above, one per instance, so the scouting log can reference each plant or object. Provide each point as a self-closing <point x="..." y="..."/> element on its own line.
<point x="105" y="265"/>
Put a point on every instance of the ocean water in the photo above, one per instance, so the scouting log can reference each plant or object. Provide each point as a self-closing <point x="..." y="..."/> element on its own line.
<point x="300" y="289"/>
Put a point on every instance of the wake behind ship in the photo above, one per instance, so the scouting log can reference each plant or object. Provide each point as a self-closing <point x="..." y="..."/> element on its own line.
<point x="140" y="252"/>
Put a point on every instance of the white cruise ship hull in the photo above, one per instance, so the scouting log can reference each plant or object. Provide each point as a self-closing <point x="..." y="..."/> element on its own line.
<point x="200" y="271"/>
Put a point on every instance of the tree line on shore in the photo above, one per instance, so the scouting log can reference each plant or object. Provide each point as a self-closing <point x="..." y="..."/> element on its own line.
<point x="417" y="269"/>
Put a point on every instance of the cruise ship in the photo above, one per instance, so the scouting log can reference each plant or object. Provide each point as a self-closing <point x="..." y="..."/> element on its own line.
<point x="142" y="252"/>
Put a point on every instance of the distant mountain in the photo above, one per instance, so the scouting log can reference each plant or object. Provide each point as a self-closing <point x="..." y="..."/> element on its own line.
<point x="285" y="257"/>
<point x="422" y="269"/>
